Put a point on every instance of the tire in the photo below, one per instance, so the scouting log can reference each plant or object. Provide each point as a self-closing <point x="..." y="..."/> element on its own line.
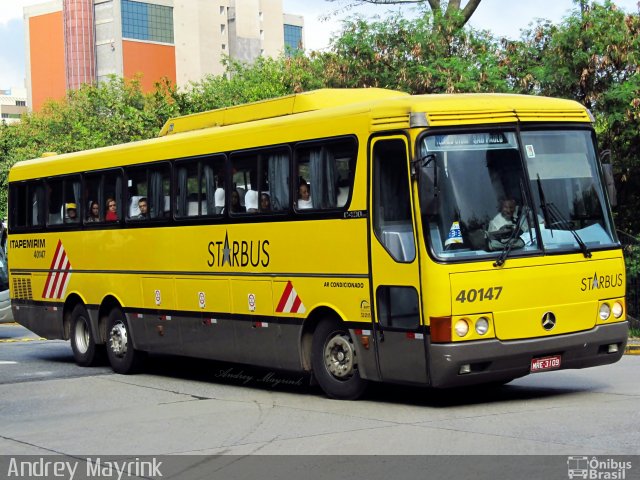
<point x="85" y="351"/>
<point x="334" y="362"/>
<point x="122" y="356"/>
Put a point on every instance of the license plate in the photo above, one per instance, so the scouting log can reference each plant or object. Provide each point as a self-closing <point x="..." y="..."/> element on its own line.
<point x="545" y="363"/>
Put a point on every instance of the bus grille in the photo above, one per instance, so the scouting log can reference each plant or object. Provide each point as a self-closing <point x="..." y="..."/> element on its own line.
<point x="22" y="288"/>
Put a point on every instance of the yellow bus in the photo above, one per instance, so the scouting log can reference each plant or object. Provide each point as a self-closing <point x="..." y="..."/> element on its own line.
<point x="356" y="235"/>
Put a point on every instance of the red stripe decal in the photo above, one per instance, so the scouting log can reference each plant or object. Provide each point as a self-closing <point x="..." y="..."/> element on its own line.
<point x="51" y="267"/>
<point x="296" y="304"/>
<point x="285" y="296"/>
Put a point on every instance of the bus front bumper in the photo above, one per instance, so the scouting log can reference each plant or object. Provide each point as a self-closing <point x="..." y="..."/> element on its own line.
<point x="492" y="361"/>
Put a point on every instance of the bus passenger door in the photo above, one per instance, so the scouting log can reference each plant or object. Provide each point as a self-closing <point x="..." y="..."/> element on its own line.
<point x="397" y="319"/>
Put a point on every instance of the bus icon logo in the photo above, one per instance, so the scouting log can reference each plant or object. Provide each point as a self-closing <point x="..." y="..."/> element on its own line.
<point x="578" y="467"/>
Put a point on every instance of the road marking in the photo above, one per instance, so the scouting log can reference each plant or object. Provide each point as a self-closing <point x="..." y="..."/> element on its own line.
<point x="7" y="362"/>
<point x="23" y="339"/>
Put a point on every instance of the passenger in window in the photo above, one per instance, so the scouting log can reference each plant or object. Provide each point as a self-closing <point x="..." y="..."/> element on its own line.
<point x="235" y="206"/>
<point x="94" y="213"/>
<point x="265" y="202"/>
<point x="219" y="201"/>
<point x="144" y="209"/>
<point x="251" y="201"/>
<point x="304" y="196"/>
<point x="112" y="211"/>
<point x="71" y="212"/>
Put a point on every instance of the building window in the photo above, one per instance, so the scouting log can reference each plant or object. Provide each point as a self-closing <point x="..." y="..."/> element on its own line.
<point x="223" y="29"/>
<point x="21" y="103"/>
<point x="292" y="39"/>
<point x="222" y="10"/>
<point x="145" y="21"/>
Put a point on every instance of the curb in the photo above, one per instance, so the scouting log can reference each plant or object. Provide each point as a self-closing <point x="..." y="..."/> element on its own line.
<point x="632" y="350"/>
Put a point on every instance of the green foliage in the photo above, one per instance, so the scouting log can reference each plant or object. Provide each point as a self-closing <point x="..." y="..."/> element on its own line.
<point x="243" y="83"/>
<point x="422" y="55"/>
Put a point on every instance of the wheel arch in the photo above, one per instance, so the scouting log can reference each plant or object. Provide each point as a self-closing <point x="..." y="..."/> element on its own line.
<point x="70" y="303"/>
<point x="309" y="326"/>
<point x="108" y="303"/>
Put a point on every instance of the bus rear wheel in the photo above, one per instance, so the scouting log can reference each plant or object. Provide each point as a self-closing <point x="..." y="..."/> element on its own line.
<point x="123" y="357"/>
<point x="85" y="351"/>
<point x="334" y="361"/>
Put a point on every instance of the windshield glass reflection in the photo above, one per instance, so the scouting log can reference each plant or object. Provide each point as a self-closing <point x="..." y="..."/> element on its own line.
<point x="477" y="199"/>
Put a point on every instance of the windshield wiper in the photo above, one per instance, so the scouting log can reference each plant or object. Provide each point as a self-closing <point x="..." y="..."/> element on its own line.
<point x="565" y="224"/>
<point x="512" y="239"/>
<point x="543" y="205"/>
<point x="553" y="216"/>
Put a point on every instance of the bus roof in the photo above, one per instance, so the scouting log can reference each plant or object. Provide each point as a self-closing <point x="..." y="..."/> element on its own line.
<point x="439" y="109"/>
<point x="277" y="107"/>
<point x="382" y="109"/>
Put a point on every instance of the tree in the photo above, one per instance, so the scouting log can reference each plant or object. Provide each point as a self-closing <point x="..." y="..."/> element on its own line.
<point x="243" y="83"/>
<point x="452" y="11"/>
<point x="419" y="55"/>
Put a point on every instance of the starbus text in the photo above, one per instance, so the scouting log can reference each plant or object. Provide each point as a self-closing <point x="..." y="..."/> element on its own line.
<point x="239" y="254"/>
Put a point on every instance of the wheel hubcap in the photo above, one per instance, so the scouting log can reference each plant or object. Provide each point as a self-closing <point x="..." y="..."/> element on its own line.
<point x="118" y="339"/>
<point x="81" y="334"/>
<point x="339" y="356"/>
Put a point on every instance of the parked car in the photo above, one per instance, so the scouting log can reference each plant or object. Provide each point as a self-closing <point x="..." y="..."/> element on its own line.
<point x="6" y="315"/>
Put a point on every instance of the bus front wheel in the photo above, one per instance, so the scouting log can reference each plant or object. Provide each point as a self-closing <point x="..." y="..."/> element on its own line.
<point x="85" y="351"/>
<point x="334" y="361"/>
<point x="123" y="357"/>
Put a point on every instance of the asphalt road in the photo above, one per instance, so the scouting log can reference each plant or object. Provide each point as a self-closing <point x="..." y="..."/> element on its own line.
<point x="48" y="405"/>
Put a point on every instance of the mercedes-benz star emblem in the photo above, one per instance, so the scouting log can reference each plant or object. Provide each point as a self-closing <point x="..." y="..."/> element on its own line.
<point x="548" y="321"/>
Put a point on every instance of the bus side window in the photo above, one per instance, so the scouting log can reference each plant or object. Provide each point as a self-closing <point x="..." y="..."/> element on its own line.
<point x="72" y="200"/>
<point x="200" y="187"/>
<point x="148" y="188"/>
<point x="54" y="201"/>
<point x="325" y="174"/>
<point x="91" y="200"/>
<point x="274" y="195"/>
<point x="261" y="181"/>
<point x="103" y="188"/>
<point x="159" y="191"/>
<point x="27" y="205"/>
<point x="187" y="189"/>
<point x="212" y="185"/>
<point x="113" y="190"/>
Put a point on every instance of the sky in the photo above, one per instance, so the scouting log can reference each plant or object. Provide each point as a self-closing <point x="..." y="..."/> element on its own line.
<point x="502" y="17"/>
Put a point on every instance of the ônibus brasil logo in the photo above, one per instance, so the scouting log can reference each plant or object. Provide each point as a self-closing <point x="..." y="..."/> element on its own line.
<point x="596" y="468"/>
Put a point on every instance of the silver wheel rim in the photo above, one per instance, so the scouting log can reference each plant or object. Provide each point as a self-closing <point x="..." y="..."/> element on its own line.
<point x="339" y="357"/>
<point x="118" y="339"/>
<point x="81" y="335"/>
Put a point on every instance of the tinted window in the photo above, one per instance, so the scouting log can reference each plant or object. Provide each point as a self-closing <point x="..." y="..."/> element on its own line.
<point x="324" y="174"/>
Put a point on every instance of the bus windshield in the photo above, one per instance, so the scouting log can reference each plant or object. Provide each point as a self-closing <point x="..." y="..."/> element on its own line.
<point x="480" y="197"/>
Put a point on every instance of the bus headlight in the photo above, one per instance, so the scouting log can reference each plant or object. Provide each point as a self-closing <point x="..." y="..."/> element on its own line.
<point x="605" y="311"/>
<point x="482" y="326"/>
<point x="461" y="327"/>
<point x="617" y="309"/>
